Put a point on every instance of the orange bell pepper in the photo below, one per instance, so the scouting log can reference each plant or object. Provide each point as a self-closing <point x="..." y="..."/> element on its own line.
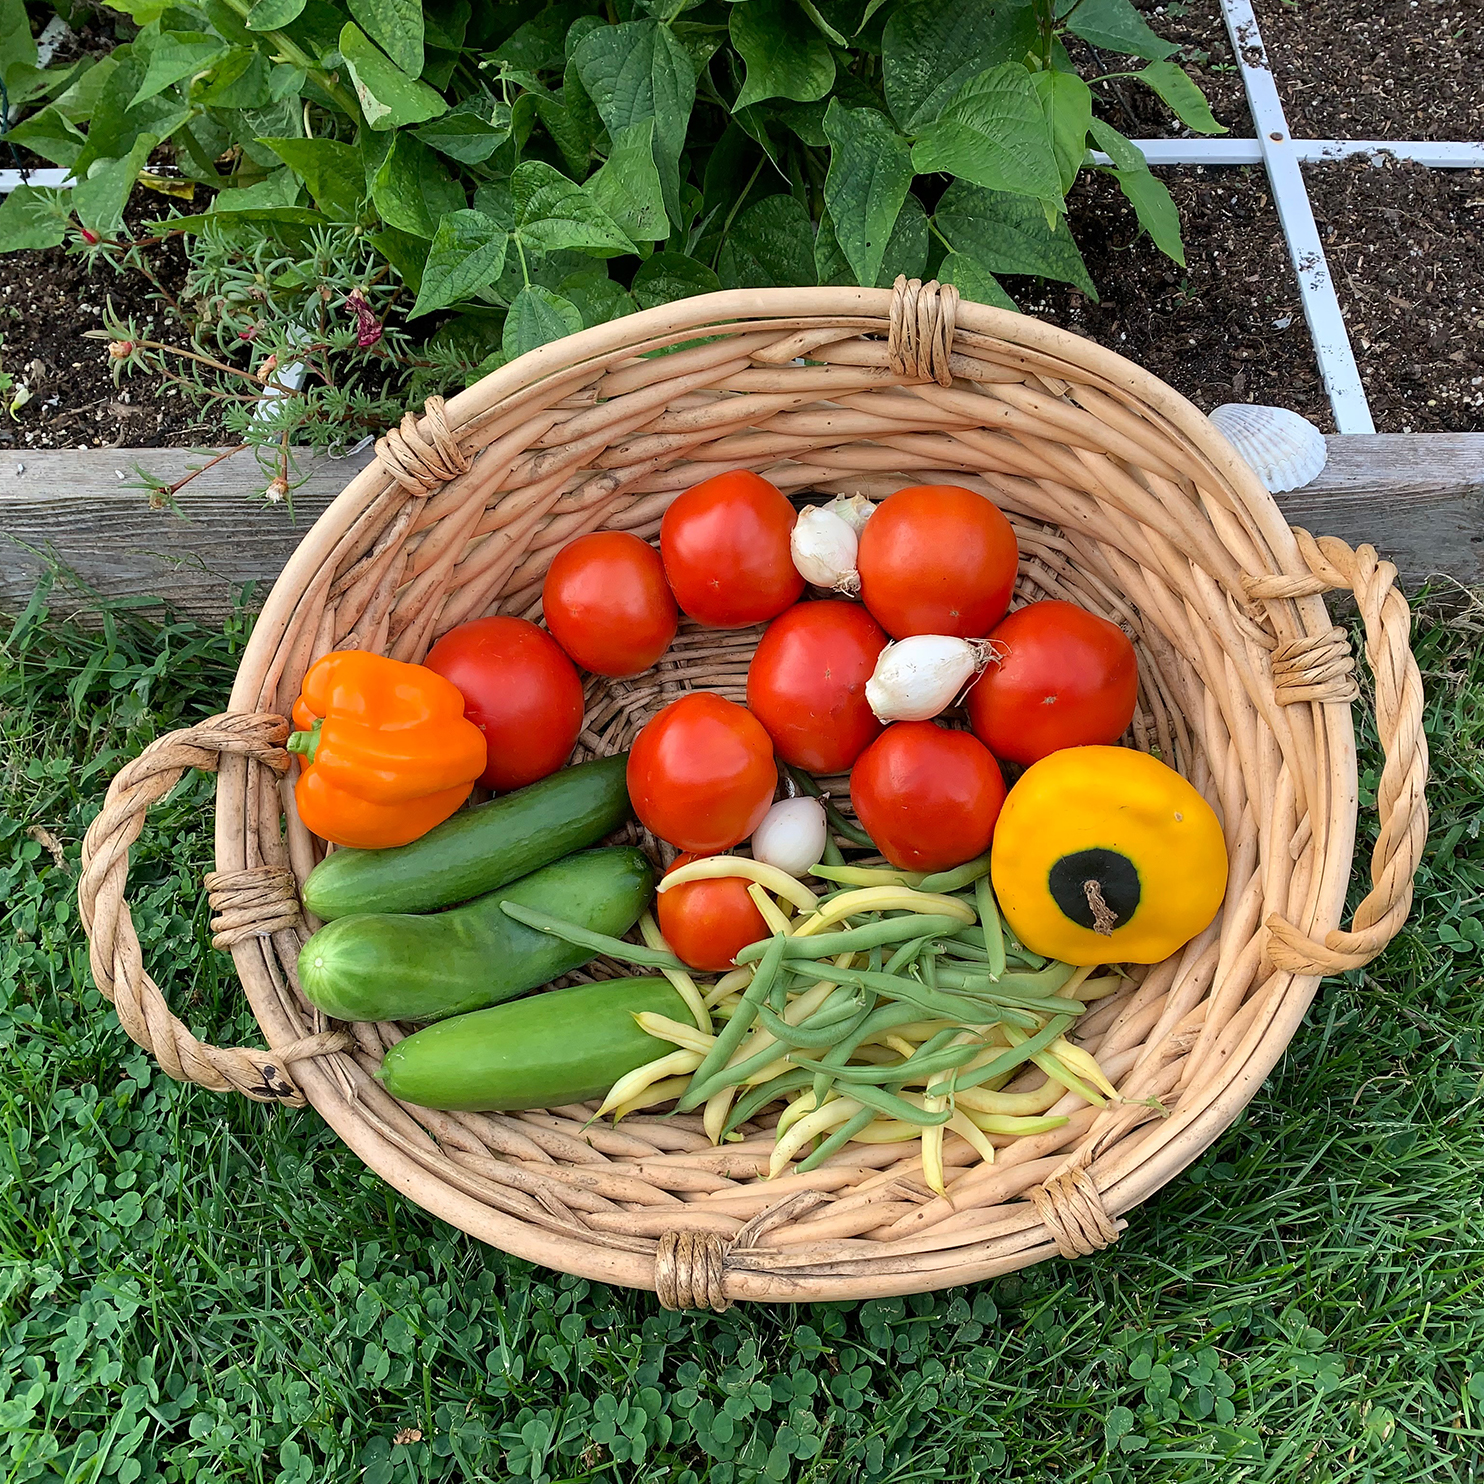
<point x="387" y="752"/>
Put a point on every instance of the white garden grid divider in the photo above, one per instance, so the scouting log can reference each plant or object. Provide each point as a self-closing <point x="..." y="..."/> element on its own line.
<point x="1274" y="146"/>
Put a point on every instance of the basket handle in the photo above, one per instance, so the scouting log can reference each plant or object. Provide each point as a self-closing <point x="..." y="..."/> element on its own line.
<point x="1319" y="669"/>
<point x="256" y="902"/>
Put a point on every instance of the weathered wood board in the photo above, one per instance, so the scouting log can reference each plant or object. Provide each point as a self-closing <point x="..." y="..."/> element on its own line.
<point x="1419" y="499"/>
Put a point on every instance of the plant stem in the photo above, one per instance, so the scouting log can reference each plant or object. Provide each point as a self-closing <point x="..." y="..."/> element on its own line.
<point x="291" y="51"/>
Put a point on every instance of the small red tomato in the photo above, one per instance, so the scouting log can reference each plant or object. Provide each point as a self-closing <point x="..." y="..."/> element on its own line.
<point x="807" y="683"/>
<point x="937" y="559"/>
<point x="606" y="602"/>
<point x="927" y="796"/>
<point x="726" y="553"/>
<point x="701" y="774"/>
<point x="519" y="689"/>
<point x="1062" y="677"/>
<point x="708" y="923"/>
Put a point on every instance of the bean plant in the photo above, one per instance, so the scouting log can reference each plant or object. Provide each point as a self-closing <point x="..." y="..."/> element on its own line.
<point x="396" y="195"/>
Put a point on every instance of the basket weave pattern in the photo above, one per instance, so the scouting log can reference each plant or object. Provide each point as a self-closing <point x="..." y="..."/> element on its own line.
<point x="1124" y="499"/>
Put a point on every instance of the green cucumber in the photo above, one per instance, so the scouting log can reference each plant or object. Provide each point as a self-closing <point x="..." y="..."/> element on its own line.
<point x="478" y="850"/>
<point x="403" y="966"/>
<point x="541" y="1052"/>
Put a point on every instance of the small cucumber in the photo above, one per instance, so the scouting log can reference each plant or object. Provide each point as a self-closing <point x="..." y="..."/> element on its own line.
<point x="401" y="966"/>
<point x="561" y="1047"/>
<point x="478" y="850"/>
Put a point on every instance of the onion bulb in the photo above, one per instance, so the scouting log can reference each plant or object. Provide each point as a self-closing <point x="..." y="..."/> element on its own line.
<point x="854" y="510"/>
<point x="792" y="836"/>
<point x="824" y="546"/>
<point x="920" y="676"/>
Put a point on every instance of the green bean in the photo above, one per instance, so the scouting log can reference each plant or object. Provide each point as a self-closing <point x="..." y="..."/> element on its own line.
<point x="873" y="958"/>
<point x="629" y="953"/>
<point x="838" y="1139"/>
<point x="928" y="963"/>
<point x="883" y="1018"/>
<point x="973" y="1010"/>
<point x="858" y="939"/>
<point x="975" y="936"/>
<point x="730" y="1036"/>
<point x="994" y="928"/>
<point x="1006" y="1061"/>
<point x="894" y="1107"/>
<point x="946" y="1059"/>
<point x="854" y="877"/>
<point x="700" y="1092"/>
<point x="904" y="955"/>
<point x="832" y="856"/>
<point x="757" y="1098"/>
<point x="958" y="878"/>
<point x="838" y="821"/>
<point x="1040" y="984"/>
<point x="810" y="1032"/>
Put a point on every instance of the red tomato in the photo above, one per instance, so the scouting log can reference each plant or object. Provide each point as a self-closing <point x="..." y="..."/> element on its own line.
<point x="1064" y="678"/>
<point x="807" y="683"/>
<point x="607" y="603"/>
<point x="937" y="559"/>
<point x="701" y="773"/>
<point x="708" y="923"/>
<point x="725" y="547"/>
<point x="928" y="797"/>
<point x="519" y="689"/>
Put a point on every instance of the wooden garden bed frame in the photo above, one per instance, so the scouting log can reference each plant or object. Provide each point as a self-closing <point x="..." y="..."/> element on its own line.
<point x="1417" y="498"/>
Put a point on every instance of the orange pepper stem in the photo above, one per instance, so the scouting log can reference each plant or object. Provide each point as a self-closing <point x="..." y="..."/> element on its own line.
<point x="306" y="743"/>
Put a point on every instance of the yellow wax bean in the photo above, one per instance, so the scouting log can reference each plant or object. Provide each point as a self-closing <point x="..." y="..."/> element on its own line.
<point x="808" y="1128"/>
<point x="777" y="922"/>
<point x="685" y="986"/>
<point x="882" y="899"/>
<point x="660" y="1092"/>
<point x="770" y="877"/>
<point x="631" y="1084"/>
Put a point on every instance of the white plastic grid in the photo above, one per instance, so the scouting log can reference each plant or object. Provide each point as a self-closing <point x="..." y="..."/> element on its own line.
<point x="1274" y="146"/>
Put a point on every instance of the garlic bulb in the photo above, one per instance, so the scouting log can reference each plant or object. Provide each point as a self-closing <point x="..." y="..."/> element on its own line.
<point x="922" y="675"/>
<point x="854" y="510"/>
<point x="824" y="547"/>
<point x="792" y="836"/>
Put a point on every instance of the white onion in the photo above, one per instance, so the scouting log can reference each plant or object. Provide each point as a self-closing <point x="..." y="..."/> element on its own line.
<point x="854" y="510"/>
<point x="920" y="676"/>
<point x="792" y="836"/>
<point x="824" y="547"/>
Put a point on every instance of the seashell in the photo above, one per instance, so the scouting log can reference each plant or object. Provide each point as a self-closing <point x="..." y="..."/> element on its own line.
<point x="1286" y="451"/>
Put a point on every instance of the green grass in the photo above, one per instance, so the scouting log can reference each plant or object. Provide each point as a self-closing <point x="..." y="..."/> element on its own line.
<point x="198" y="1288"/>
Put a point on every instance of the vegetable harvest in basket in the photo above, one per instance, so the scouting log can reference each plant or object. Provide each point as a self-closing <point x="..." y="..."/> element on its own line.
<point x="916" y="970"/>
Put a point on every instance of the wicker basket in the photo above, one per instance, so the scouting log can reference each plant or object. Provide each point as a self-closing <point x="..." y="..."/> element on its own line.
<point x="1124" y="498"/>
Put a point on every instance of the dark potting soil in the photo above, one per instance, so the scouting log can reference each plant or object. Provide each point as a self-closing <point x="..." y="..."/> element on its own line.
<point x="1226" y="328"/>
<point x="1377" y="69"/>
<point x="48" y="301"/>
<point x="1405" y="246"/>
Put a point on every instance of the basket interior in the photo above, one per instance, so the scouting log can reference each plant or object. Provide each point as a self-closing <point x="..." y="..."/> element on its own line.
<point x="1123" y="500"/>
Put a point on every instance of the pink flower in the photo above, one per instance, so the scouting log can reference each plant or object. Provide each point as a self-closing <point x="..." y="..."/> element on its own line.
<point x="91" y="238"/>
<point x="368" y="327"/>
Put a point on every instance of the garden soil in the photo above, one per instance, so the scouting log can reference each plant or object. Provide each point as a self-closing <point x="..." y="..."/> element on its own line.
<point x="1377" y="69"/>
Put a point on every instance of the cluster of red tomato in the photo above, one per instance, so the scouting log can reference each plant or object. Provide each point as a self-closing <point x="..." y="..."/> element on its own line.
<point x="935" y="559"/>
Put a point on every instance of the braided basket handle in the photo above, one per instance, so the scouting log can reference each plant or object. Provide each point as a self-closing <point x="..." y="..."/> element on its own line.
<point x="1400" y="799"/>
<point x="254" y="902"/>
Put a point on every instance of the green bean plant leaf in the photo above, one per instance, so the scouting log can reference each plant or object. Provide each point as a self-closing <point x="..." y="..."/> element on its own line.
<point x="1005" y="233"/>
<point x="1148" y="196"/>
<point x="1067" y="103"/>
<point x="333" y="172"/>
<point x="994" y="133"/>
<point x="467" y="255"/>
<point x="669" y="276"/>
<point x="627" y="186"/>
<point x="389" y="96"/>
<point x="1116" y="26"/>
<point x="785" y="55"/>
<point x="1186" y="101"/>
<point x="273" y="15"/>
<point x="869" y="176"/>
<point x="637" y="71"/>
<point x="34" y="217"/>
<point x="396" y="26"/>
<point x="469" y="133"/>
<point x="770" y="245"/>
<point x="176" y="55"/>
